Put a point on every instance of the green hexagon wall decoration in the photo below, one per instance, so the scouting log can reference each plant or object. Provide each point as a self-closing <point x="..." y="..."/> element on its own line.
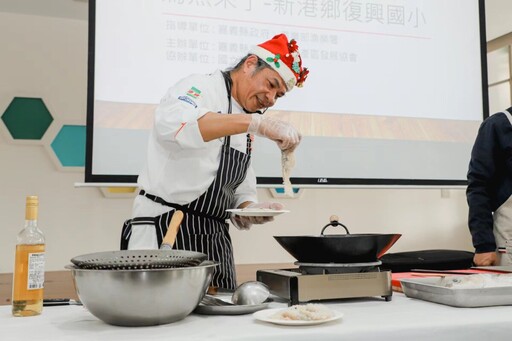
<point x="69" y="146"/>
<point x="27" y="118"/>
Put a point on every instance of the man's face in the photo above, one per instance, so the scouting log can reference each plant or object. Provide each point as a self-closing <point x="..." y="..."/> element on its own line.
<point x="259" y="89"/>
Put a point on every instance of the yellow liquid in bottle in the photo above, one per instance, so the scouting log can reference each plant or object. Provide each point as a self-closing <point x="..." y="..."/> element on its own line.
<point x="26" y="301"/>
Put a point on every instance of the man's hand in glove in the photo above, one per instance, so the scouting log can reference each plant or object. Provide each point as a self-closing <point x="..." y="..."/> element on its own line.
<point x="245" y="222"/>
<point x="284" y="134"/>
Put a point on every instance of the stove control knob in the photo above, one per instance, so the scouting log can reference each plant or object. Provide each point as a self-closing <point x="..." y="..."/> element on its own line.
<point x="334" y="219"/>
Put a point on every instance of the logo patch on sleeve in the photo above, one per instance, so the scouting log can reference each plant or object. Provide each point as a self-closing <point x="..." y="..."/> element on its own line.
<point x="194" y="92"/>
<point x="188" y="100"/>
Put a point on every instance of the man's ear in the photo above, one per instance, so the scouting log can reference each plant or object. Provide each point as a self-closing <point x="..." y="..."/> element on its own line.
<point x="250" y="63"/>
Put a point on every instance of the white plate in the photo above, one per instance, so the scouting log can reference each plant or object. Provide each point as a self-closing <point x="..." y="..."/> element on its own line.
<point x="265" y="316"/>
<point x="256" y="212"/>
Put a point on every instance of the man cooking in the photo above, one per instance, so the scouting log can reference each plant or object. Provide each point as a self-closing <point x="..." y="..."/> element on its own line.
<point x="199" y="154"/>
<point x="489" y="192"/>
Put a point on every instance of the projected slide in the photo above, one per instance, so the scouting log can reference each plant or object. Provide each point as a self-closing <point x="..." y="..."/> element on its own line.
<point x="394" y="91"/>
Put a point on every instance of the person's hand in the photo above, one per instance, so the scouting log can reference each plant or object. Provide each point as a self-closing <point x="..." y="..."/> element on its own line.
<point x="245" y="222"/>
<point x="485" y="259"/>
<point x="284" y="134"/>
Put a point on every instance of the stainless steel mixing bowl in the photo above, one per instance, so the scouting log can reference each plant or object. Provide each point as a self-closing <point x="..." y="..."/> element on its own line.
<point x="142" y="297"/>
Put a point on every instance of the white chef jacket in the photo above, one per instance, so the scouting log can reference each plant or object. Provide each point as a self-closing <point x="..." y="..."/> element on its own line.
<point x="180" y="166"/>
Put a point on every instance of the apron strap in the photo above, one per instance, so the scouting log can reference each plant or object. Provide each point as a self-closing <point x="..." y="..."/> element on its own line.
<point x="229" y="83"/>
<point x="126" y="231"/>
<point x="179" y="207"/>
<point x="160" y="223"/>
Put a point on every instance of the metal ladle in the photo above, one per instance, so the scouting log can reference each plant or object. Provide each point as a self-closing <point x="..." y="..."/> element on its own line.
<point x="247" y="293"/>
<point x="250" y="293"/>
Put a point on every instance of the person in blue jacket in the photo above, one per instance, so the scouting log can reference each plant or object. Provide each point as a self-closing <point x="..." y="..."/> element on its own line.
<point x="489" y="191"/>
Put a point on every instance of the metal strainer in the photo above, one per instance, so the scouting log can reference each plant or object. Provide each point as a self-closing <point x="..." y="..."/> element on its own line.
<point x="138" y="259"/>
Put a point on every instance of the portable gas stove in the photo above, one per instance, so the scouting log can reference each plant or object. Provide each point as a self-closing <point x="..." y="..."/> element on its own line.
<point x="329" y="281"/>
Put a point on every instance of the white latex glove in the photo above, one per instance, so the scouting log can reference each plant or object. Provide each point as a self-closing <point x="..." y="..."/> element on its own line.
<point x="245" y="222"/>
<point x="284" y="134"/>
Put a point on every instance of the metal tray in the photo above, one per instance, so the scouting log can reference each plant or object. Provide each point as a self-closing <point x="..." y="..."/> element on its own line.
<point x="429" y="289"/>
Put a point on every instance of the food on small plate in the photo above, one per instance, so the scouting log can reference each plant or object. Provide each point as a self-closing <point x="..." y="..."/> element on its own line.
<point x="308" y="312"/>
<point x="299" y="315"/>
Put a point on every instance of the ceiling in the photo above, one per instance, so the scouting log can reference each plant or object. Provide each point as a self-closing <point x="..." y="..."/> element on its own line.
<point x="498" y="12"/>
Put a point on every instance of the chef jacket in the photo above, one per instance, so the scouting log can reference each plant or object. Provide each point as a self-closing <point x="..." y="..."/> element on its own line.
<point x="180" y="165"/>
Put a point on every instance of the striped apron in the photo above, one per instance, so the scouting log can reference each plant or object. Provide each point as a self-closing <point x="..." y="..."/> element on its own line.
<point x="204" y="228"/>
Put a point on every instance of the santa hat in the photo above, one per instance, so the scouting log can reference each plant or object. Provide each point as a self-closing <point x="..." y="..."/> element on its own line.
<point x="283" y="56"/>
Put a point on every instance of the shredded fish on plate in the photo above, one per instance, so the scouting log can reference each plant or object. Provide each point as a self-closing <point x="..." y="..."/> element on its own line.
<point x="308" y="312"/>
<point x="287" y="164"/>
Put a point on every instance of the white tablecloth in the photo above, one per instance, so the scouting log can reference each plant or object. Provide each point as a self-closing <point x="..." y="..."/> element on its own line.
<point x="364" y="319"/>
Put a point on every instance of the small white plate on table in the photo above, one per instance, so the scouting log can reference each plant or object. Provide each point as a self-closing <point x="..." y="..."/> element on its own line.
<point x="256" y="212"/>
<point x="266" y="316"/>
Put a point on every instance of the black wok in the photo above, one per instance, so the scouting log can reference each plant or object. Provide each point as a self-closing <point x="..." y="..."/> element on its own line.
<point x="346" y="248"/>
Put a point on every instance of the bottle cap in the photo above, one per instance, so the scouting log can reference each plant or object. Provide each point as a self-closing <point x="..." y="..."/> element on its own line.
<point x="31" y="207"/>
<point x="32" y="200"/>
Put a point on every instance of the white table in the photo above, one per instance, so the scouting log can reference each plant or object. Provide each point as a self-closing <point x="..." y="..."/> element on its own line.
<point x="364" y="319"/>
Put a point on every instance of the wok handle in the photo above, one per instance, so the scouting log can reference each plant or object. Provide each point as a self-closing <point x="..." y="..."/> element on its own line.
<point x="334" y="223"/>
<point x="172" y="230"/>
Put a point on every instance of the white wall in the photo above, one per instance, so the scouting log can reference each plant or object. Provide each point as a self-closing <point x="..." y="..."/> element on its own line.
<point x="497" y="14"/>
<point x="47" y="57"/>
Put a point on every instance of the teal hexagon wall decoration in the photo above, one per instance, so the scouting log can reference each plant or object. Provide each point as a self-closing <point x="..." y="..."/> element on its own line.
<point x="27" y="118"/>
<point x="69" y="146"/>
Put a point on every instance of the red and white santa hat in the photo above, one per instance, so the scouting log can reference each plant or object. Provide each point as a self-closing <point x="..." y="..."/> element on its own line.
<point x="283" y="56"/>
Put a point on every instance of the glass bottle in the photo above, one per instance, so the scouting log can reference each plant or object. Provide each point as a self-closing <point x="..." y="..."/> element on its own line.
<point x="28" y="277"/>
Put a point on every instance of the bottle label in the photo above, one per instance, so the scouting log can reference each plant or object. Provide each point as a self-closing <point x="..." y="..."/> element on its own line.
<point x="35" y="278"/>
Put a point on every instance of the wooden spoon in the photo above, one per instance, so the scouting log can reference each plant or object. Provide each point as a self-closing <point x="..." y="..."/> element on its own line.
<point x="172" y="231"/>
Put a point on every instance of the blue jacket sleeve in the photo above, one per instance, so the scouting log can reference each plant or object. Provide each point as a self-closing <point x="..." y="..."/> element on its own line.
<point x="485" y="177"/>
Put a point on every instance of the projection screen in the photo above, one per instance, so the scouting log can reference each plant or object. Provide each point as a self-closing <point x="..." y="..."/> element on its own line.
<point x="396" y="92"/>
